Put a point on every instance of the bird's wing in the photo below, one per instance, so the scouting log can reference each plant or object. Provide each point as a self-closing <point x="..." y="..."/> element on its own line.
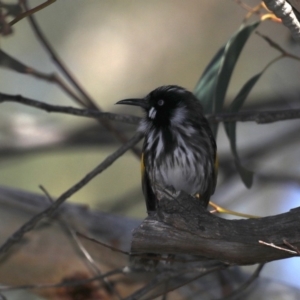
<point x="146" y="186"/>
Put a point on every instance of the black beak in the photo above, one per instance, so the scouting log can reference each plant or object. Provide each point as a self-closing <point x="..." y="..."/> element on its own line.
<point x="136" y="102"/>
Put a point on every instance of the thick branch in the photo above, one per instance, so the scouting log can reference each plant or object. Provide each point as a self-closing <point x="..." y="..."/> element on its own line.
<point x="182" y="226"/>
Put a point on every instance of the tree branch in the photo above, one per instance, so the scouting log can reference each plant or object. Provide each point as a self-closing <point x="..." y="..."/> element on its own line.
<point x="62" y="284"/>
<point x="31" y="12"/>
<point x="17" y="236"/>
<point x="189" y="228"/>
<point x="262" y="117"/>
<point x="88" y="100"/>
<point x="88" y="113"/>
<point x="237" y="293"/>
<point x="166" y="276"/>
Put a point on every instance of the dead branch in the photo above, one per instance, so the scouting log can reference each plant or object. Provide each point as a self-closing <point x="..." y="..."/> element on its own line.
<point x="183" y="226"/>
<point x="48" y="212"/>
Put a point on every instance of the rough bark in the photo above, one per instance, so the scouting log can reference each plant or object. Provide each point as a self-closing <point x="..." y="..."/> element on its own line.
<point x="182" y="226"/>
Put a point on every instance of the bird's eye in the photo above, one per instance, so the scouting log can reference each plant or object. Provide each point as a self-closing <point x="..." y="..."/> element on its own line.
<point x="160" y="102"/>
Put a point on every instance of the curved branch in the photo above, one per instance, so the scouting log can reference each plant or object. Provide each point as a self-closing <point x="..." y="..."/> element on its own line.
<point x="183" y="226"/>
<point x="89" y="102"/>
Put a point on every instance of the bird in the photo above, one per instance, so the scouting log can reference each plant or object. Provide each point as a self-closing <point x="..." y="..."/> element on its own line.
<point x="179" y="152"/>
<point x="296" y="7"/>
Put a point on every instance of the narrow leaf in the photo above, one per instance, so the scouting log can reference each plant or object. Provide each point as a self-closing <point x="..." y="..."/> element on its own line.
<point x="212" y="86"/>
<point x="237" y="103"/>
<point x="205" y="88"/>
<point x="232" y="52"/>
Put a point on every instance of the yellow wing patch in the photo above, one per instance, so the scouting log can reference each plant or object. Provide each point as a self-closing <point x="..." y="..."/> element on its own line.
<point x="142" y="165"/>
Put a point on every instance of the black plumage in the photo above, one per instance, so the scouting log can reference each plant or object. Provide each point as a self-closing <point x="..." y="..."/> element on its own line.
<point x="179" y="151"/>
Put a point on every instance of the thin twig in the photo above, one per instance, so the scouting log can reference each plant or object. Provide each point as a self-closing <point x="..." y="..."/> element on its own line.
<point x="276" y="46"/>
<point x="89" y="113"/>
<point x="250" y="10"/>
<point x="272" y="245"/>
<point x="53" y="55"/>
<point x="18" y="66"/>
<point x="242" y="287"/>
<point x="168" y="275"/>
<point x="48" y="212"/>
<point x="102" y="244"/>
<point x="88" y="258"/>
<point x="262" y="117"/>
<point x="56" y="79"/>
<point x="89" y="102"/>
<point x="31" y="12"/>
<point x="72" y="232"/>
<point x="291" y="246"/>
<point x="62" y="284"/>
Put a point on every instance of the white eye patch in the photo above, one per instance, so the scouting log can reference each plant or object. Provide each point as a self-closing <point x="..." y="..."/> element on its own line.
<point x="152" y="113"/>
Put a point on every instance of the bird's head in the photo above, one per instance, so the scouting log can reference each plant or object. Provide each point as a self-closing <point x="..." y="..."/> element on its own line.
<point x="165" y="106"/>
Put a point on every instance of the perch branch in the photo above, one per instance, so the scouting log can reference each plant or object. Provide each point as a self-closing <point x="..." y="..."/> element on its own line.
<point x="189" y="228"/>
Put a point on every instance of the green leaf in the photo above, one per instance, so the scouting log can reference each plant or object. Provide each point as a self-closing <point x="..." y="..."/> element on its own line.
<point x="212" y="87"/>
<point x="205" y="88"/>
<point x="235" y="106"/>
